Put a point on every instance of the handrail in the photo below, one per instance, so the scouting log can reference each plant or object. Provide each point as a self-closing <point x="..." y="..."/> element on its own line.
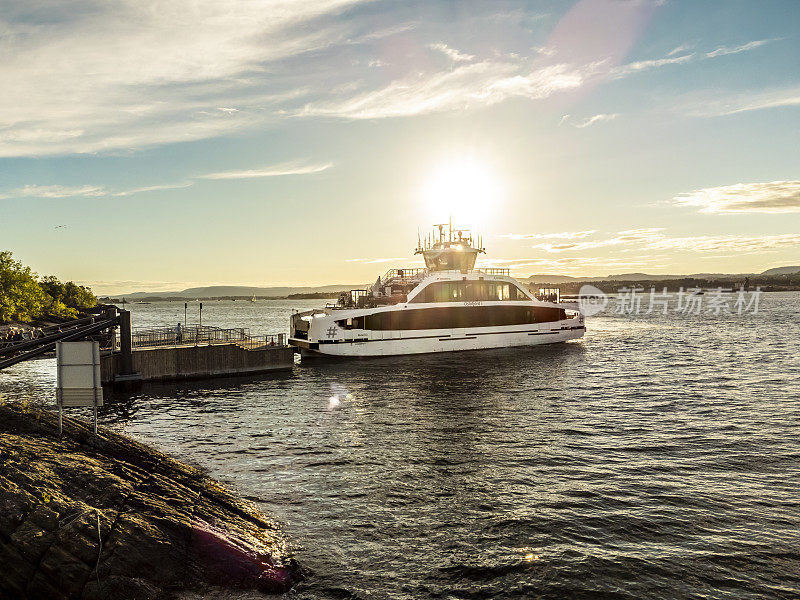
<point x="201" y="334"/>
<point x="66" y="336"/>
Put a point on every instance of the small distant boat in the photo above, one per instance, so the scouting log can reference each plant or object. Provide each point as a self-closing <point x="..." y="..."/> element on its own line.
<point x="253" y="299"/>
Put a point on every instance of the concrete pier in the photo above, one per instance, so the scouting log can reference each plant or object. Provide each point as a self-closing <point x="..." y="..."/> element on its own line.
<point x="196" y="362"/>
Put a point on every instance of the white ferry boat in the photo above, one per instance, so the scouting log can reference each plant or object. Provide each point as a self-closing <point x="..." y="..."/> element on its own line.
<point x="449" y="305"/>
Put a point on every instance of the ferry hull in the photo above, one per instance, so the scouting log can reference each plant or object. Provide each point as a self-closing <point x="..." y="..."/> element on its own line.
<point x="396" y="343"/>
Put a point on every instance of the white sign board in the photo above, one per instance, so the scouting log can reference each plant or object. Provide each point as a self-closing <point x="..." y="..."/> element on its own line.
<point x="78" y="380"/>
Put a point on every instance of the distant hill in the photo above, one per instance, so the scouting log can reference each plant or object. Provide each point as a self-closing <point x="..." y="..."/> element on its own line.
<point x="782" y="271"/>
<point x="217" y="291"/>
<point x="641" y="277"/>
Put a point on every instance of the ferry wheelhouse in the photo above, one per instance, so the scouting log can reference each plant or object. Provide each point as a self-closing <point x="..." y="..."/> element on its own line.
<point x="449" y="305"/>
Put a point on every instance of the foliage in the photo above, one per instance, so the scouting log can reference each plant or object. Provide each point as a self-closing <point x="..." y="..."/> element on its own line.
<point x="23" y="298"/>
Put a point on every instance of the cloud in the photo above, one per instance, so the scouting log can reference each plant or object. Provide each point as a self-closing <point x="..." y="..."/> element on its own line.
<point x="272" y="171"/>
<point x="130" y="74"/>
<point x="96" y="191"/>
<point x="671" y="59"/>
<point x="724" y="51"/>
<point x="646" y="65"/>
<point x="574" y="264"/>
<point x="654" y="239"/>
<point x="679" y="49"/>
<point x="713" y="107"/>
<point x="371" y="261"/>
<point x="467" y="86"/>
<point x="155" y="188"/>
<point x="772" y="197"/>
<point x="596" y="119"/>
<point x="451" y="53"/>
<point x="726" y="243"/>
<point x="56" y="191"/>
<point x="563" y="235"/>
<point x="626" y="238"/>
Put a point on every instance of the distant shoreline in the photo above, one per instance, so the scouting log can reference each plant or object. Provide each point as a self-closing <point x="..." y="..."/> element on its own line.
<point x="148" y="299"/>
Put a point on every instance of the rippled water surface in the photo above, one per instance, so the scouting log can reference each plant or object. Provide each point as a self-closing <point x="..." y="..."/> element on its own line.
<point x="659" y="457"/>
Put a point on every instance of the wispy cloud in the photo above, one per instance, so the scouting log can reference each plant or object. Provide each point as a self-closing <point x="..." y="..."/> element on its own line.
<point x="626" y="238"/>
<point x="97" y="191"/>
<point x="56" y="191"/>
<point x="272" y="171"/>
<point x="772" y="197"/>
<point x="597" y="265"/>
<point x="451" y="53"/>
<point x="563" y="235"/>
<point x="672" y="59"/>
<point x="734" y="104"/>
<point x="725" y="50"/>
<point x="133" y="74"/>
<point x="679" y="49"/>
<point x="467" y="86"/>
<point x="727" y="243"/>
<point x="155" y="188"/>
<point x="596" y="119"/>
<point x="646" y="65"/>
<point x="648" y="239"/>
<point x="371" y="261"/>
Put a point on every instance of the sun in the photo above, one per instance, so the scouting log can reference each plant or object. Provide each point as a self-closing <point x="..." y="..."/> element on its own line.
<point x="464" y="190"/>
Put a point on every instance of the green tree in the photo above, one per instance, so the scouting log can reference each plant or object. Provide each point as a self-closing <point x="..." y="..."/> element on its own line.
<point x="70" y="294"/>
<point x="21" y="297"/>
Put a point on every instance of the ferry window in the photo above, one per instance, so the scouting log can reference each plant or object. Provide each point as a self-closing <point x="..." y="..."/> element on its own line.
<point x="470" y="291"/>
<point x="517" y="294"/>
<point x="353" y="323"/>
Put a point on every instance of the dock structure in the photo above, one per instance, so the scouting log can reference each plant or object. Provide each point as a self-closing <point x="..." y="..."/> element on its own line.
<point x="159" y="354"/>
<point x="194" y="352"/>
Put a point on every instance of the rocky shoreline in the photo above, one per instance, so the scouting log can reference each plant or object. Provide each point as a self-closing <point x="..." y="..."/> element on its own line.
<point x="102" y="517"/>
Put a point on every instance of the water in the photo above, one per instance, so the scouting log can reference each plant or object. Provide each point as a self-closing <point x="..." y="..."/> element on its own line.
<point x="658" y="457"/>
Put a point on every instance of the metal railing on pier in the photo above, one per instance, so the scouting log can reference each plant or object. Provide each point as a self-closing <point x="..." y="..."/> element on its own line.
<point x="202" y="335"/>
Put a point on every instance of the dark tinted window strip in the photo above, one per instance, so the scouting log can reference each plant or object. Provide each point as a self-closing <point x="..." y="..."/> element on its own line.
<point x="459" y="317"/>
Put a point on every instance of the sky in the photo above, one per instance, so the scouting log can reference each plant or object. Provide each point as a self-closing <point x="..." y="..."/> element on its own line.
<point x="150" y="145"/>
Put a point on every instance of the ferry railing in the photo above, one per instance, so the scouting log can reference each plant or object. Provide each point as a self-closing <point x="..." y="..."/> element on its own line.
<point x="412" y="274"/>
<point x="494" y="271"/>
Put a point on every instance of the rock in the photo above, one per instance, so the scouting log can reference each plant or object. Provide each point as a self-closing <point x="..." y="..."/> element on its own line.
<point x="101" y="517"/>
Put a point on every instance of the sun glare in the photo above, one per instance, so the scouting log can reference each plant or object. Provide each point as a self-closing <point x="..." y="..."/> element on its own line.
<point x="465" y="190"/>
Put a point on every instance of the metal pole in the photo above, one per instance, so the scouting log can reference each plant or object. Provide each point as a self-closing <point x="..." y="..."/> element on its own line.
<point x="125" y="342"/>
<point x="95" y="383"/>
<point x="201" y="320"/>
<point x="59" y="418"/>
<point x="185" y="310"/>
